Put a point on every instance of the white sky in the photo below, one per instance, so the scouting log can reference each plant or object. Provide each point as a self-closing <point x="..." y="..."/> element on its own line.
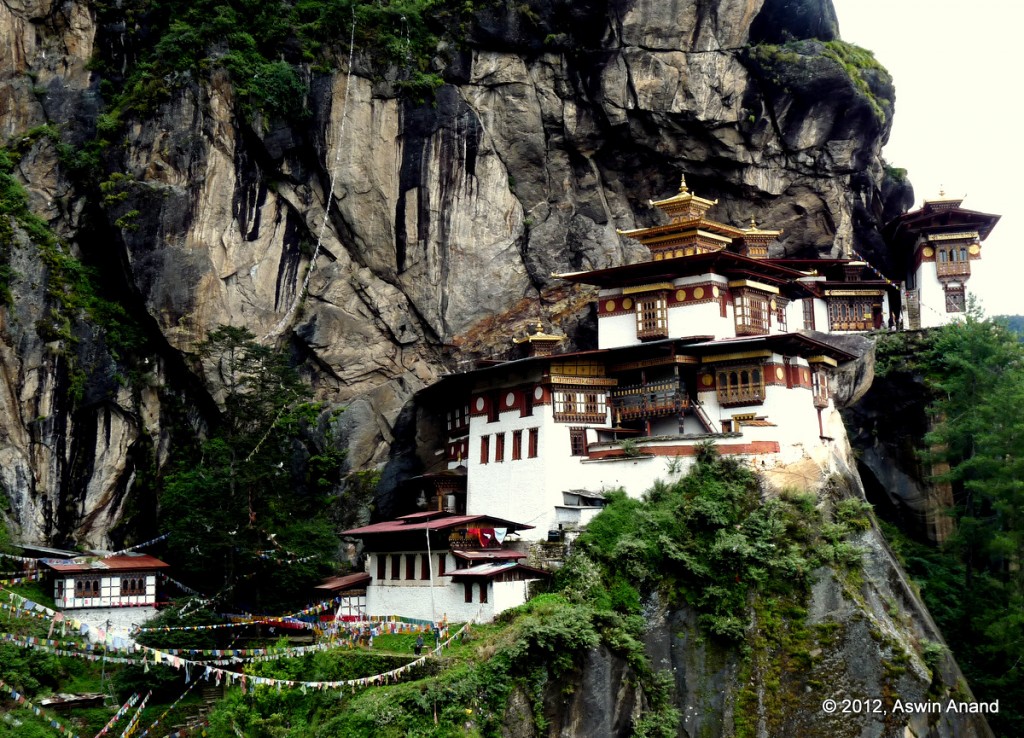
<point x="958" y="68"/>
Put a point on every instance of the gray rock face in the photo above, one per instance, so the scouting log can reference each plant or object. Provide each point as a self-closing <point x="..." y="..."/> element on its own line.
<point x="372" y="235"/>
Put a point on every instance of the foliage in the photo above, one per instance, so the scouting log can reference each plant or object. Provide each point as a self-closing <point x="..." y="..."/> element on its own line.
<point x="708" y="540"/>
<point x="859" y="65"/>
<point x="71" y="287"/>
<point x="254" y="501"/>
<point x="974" y="584"/>
<point x="267" y="48"/>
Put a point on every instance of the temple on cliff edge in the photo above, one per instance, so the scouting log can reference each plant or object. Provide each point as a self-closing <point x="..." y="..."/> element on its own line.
<point x="709" y="339"/>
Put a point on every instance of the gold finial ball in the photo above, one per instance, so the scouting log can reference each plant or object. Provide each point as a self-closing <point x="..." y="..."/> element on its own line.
<point x="753" y="223"/>
<point x="540" y="326"/>
<point x="682" y="183"/>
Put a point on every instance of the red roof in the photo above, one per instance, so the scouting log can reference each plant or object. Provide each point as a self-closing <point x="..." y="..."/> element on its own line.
<point x="444" y="522"/>
<point x="125" y="562"/>
<point x="349" y="581"/>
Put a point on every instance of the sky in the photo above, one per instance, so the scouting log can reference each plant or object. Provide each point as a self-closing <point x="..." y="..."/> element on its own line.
<point x="958" y="68"/>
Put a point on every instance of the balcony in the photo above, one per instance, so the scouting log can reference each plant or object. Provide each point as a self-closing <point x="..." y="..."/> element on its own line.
<point x="648" y="401"/>
<point x="953" y="268"/>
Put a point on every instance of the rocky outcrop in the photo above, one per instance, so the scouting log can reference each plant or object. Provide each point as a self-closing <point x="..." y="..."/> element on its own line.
<point x="887" y="425"/>
<point x="869" y="640"/>
<point x="378" y="239"/>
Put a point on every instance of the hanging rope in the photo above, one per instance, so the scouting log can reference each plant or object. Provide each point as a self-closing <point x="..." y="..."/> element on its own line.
<point x="287" y="319"/>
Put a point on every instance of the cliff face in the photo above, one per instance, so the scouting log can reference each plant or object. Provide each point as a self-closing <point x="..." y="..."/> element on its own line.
<point x="557" y="124"/>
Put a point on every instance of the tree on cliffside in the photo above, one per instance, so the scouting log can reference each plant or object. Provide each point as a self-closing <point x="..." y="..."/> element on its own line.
<point x="249" y="508"/>
<point x="977" y="369"/>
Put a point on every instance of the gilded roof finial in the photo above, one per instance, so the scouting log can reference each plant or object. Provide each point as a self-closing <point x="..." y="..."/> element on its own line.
<point x="540" y="326"/>
<point x="942" y="190"/>
<point x="682" y="183"/>
<point x="753" y="223"/>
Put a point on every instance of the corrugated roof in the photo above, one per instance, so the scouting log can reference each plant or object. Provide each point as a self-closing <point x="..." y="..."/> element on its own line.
<point x="488" y="571"/>
<point x="489" y="555"/>
<point x="137" y="562"/>
<point x="349" y="581"/>
<point x="412" y="522"/>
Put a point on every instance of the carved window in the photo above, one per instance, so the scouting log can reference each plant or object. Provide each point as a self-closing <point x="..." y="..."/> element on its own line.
<point x="517" y="445"/>
<point x="952" y="260"/>
<point x="740" y="385"/>
<point x="652" y="317"/>
<point x="850" y="313"/>
<point x="780" y="313"/>
<point x="955" y="299"/>
<point x="752" y="312"/>
<point x="578" y="441"/>
<point x="808" y="304"/>
<point x="580" y="406"/>
<point x="819" y="388"/>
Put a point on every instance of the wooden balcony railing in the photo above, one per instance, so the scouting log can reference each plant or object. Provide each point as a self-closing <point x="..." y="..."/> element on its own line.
<point x="648" y="401"/>
<point x="953" y="268"/>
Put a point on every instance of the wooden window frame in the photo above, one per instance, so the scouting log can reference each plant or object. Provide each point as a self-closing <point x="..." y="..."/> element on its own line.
<point x="955" y="299"/>
<point x="819" y="387"/>
<point x="752" y="312"/>
<point x="808" y="305"/>
<point x="578" y="442"/>
<point x="469" y="591"/>
<point x="533" y="447"/>
<point x="410" y="566"/>
<point x="517" y="445"/>
<point x="741" y="384"/>
<point x="442" y="563"/>
<point x="396" y="566"/>
<point x="580" y="405"/>
<point x="499" y="448"/>
<point x="780" y="314"/>
<point x="382" y="567"/>
<point x="485" y="449"/>
<point x="851" y="313"/>
<point x="651" y="316"/>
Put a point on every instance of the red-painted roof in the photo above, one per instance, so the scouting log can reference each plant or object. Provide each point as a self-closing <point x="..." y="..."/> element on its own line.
<point x="139" y="562"/>
<point x="413" y="522"/>
<point x="349" y="581"/>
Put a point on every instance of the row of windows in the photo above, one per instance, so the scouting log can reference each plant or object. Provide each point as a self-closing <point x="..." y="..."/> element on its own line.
<point x="580" y="406"/>
<point x="533" y="441"/>
<point x="91" y="587"/>
<point x="410" y="570"/>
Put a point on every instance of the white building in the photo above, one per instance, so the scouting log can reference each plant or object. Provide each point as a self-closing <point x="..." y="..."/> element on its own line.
<point x="708" y="340"/>
<point x="938" y="246"/>
<point x="435" y="565"/>
<point x="125" y="580"/>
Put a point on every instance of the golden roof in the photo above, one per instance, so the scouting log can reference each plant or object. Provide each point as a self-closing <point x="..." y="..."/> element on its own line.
<point x="539" y="336"/>
<point x="684" y="205"/>
<point x="758" y="232"/>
